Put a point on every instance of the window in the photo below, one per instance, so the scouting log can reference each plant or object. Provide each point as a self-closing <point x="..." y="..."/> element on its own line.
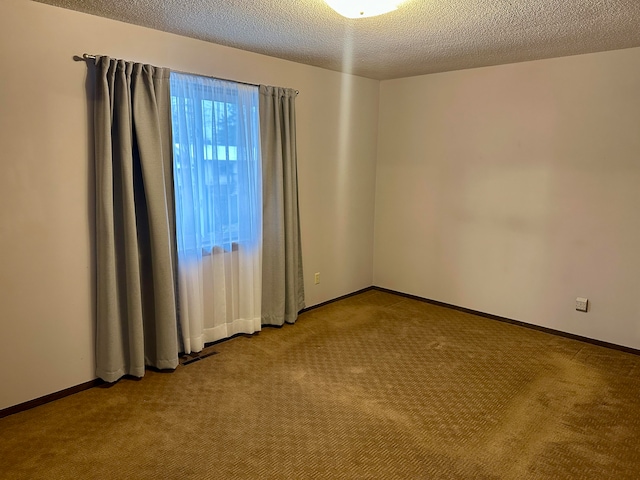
<point x="216" y="162"/>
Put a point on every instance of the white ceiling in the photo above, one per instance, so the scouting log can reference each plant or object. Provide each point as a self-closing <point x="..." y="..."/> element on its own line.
<point x="422" y="36"/>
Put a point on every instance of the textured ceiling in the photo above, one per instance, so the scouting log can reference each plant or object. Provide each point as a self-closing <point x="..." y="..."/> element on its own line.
<point x="422" y="36"/>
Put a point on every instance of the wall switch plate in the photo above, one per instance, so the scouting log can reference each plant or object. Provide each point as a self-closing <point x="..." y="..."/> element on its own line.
<point x="316" y="278"/>
<point x="582" y="304"/>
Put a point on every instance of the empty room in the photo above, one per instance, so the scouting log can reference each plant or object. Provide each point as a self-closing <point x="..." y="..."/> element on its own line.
<point x="300" y="239"/>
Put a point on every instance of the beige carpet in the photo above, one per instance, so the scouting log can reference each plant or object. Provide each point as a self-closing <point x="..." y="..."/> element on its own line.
<point x="374" y="386"/>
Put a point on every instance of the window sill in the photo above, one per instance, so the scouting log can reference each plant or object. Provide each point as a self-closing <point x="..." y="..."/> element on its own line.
<point x="216" y="250"/>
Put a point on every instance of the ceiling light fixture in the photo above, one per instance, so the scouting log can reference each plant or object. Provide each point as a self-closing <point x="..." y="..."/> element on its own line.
<point x="363" y="8"/>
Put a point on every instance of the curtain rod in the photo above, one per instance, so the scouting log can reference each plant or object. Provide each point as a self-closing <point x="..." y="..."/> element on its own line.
<point x="87" y="56"/>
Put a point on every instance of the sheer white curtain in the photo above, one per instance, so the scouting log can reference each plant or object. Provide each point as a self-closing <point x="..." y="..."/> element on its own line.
<point x="217" y="179"/>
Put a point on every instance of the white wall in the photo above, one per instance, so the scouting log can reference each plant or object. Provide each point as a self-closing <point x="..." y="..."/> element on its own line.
<point x="46" y="183"/>
<point x="514" y="189"/>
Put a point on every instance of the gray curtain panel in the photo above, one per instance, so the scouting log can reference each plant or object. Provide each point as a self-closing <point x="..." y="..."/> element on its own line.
<point x="282" y="279"/>
<point x="136" y="303"/>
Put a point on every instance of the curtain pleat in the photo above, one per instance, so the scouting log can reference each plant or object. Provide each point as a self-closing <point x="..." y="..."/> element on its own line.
<point x="136" y="303"/>
<point x="282" y="276"/>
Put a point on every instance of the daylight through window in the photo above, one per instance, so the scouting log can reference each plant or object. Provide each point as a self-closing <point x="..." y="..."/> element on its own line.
<point x="216" y="162"/>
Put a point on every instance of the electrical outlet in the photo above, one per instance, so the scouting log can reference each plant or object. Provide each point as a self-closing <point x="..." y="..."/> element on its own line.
<point x="316" y="278"/>
<point x="582" y="304"/>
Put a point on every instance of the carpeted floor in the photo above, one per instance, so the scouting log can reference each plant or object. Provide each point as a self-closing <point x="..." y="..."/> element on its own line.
<point x="375" y="386"/>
